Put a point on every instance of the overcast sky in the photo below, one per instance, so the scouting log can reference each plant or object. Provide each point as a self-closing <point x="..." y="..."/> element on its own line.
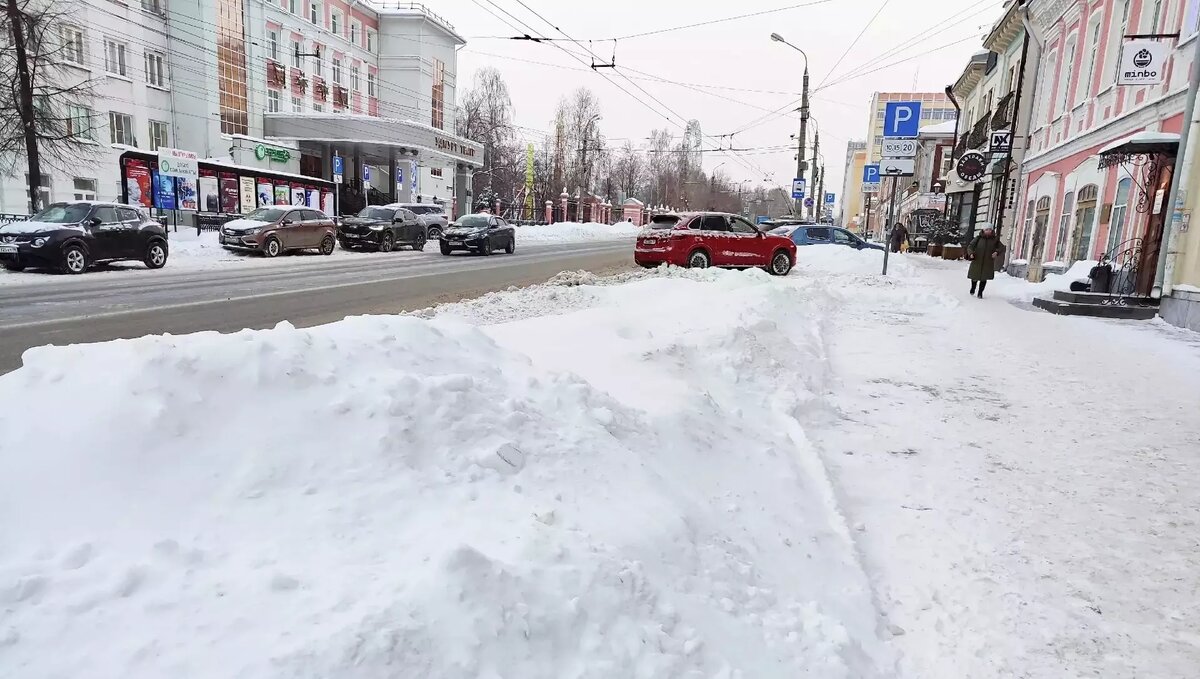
<point x="733" y="54"/>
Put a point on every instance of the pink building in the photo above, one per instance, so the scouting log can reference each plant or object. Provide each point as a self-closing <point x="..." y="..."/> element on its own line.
<point x="1098" y="152"/>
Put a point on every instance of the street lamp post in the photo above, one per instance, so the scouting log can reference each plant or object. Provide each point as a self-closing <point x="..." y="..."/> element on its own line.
<point x="800" y="164"/>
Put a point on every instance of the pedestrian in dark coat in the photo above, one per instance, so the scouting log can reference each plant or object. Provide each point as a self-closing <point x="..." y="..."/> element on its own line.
<point x="899" y="235"/>
<point x="982" y="251"/>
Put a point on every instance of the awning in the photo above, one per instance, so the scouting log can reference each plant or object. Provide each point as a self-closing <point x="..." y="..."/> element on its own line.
<point x="377" y="136"/>
<point x="1140" y="144"/>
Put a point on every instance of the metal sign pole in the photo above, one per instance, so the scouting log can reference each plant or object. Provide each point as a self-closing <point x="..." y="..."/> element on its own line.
<point x="889" y="225"/>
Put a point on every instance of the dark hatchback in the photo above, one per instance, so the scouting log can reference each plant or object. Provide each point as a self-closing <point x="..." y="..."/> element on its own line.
<point x="70" y="237"/>
<point x="482" y="233"/>
<point x="382" y="228"/>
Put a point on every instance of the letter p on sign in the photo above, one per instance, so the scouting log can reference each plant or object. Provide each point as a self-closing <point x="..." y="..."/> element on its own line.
<point x="901" y="118"/>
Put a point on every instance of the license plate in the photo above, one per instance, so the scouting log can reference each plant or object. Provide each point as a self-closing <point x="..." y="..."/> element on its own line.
<point x="454" y="240"/>
<point x="8" y="249"/>
<point x="649" y="241"/>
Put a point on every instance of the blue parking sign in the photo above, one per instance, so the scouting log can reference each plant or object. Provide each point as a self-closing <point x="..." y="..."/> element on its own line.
<point x="871" y="174"/>
<point x="337" y="165"/>
<point x="901" y="119"/>
<point x="400" y="175"/>
<point x="830" y="199"/>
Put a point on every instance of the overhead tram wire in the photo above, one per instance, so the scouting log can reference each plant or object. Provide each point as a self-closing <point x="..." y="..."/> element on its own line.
<point x="854" y="42"/>
<point x="709" y="22"/>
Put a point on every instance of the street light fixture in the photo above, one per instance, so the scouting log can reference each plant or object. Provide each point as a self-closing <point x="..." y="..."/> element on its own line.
<point x="800" y="164"/>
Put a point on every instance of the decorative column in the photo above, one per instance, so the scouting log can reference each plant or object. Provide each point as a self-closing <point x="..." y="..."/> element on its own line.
<point x="497" y="212"/>
<point x="549" y="212"/>
<point x="564" y="198"/>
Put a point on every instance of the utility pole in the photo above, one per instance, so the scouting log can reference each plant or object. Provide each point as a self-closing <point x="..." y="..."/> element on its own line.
<point x="801" y="166"/>
<point x="820" y="200"/>
<point x="816" y="150"/>
<point x="16" y="21"/>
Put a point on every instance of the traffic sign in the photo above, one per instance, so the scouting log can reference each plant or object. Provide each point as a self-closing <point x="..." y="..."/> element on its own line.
<point x="896" y="167"/>
<point x="971" y="166"/>
<point x="901" y="119"/>
<point x="870" y="187"/>
<point x="798" y="188"/>
<point x="899" y="148"/>
<point x="808" y="202"/>
<point x="338" y="169"/>
<point x="871" y="174"/>
<point x="400" y="175"/>
<point x="830" y="199"/>
<point x="1000" y="141"/>
<point x="366" y="176"/>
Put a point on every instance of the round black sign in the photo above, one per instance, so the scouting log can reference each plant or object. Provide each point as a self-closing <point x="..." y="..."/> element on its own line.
<point x="971" y="166"/>
<point x="1142" y="58"/>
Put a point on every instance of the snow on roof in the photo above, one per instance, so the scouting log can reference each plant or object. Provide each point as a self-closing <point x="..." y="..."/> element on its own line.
<point x="946" y="127"/>
<point x="1142" y="138"/>
<point x="633" y="201"/>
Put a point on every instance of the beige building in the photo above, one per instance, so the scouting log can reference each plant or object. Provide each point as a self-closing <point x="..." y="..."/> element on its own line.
<point x="935" y="107"/>
<point x="851" y="200"/>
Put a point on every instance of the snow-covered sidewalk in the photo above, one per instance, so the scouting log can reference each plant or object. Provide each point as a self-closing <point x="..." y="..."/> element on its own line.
<point x="661" y="474"/>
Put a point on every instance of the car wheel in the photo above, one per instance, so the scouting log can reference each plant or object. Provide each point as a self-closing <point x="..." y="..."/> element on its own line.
<point x="512" y="245"/>
<point x="781" y="263"/>
<point x="327" y="245"/>
<point x="385" y="241"/>
<point x="435" y="233"/>
<point x="419" y="243"/>
<point x="272" y="248"/>
<point x="156" y="255"/>
<point x="74" y="259"/>
<point x="486" y="248"/>
<point x="698" y="260"/>
<point x="14" y="267"/>
<point x="445" y="249"/>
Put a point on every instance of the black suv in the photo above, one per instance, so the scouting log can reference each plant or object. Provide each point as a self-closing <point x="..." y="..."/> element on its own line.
<point x="72" y="236"/>
<point x="381" y="228"/>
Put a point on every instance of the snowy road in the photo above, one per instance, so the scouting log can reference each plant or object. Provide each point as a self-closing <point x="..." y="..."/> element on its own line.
<point x="128" y="301"/>
<point x="668" y="474"/>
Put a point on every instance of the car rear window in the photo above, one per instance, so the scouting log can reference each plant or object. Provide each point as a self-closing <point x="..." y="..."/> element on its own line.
<point x="663" y="221"/>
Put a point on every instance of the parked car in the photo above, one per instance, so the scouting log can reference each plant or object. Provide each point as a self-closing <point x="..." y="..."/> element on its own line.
<point x="279" y="229"/>
<point x="701" y="239"/>
<point x="812" y="234"/>
<point x="431" y="215"/>
<point x="72" y="236"/>
<point x="482" y="233"/>
<point x="381" y="228"/>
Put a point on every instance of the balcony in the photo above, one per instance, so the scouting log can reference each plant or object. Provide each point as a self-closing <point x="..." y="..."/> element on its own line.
<point x="961" y="147"/>
<point x="979" y="133"/>
<point x="1003" y="116"/>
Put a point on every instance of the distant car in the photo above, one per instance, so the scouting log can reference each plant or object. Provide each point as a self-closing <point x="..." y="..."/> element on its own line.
<point x="701" y="239"/>
<point x="74" y="235"/>
<point x="381" y="228"/>
<point x="812" y="234"/>
<point x="482" y="233"/>
<point x="279" y="229"/>
<point x="431" y="215"/>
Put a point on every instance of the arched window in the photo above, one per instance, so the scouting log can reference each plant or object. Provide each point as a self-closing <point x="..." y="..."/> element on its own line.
<point x="1085" y="217"/>
<point x="1120" y="212"/>
<point x="1064" y="227"/>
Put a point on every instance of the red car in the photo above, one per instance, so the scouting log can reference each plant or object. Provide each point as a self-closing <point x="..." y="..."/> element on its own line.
<point x="699" y="240"/>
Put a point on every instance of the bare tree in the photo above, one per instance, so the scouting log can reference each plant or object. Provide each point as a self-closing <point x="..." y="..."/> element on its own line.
<point x="44" y="107"/>
<point x="630" y="170"/>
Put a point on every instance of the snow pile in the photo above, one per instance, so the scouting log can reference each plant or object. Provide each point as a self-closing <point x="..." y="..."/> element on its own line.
<point x="1021" y="290"/>
<point x="623" y="489"/>
<point x="573" y="232"/>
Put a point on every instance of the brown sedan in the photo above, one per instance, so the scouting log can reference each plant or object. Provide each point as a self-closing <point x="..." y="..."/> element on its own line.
<point x="275" y="230"/>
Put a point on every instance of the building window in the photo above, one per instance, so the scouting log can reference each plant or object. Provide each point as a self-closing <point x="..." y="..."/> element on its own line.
<point x="1116" y="223"/>
<point x="72" y="44"/>
<point x="314" y="13"/>
<point x="297" y="105"/>
<point x="335" y="22"/>
<point x="159" y="135"/>
<point x="370" y="84"/>
<point x="1084" y="90"/>
<point x="231" y="67"/>
<point x="43" y="192"/>
<point x="296" y="58"/>
<point x="337" y="71"/>
<point x="1154" y="17"/>
<point x="1116" y="37"/>
<point x="272" y="101"/>
<point x="1064" y="227"/>
<point x="879" y="114"/>
<point x="439" y="94"/>
<point x="79" y="122"/>
<point x="1084" y="216"/>
<point x="319" y="108"/>
<point x="1066" y="72"/>
<point x="155" y="6"/>
<point x="355" y="84"/>
<point x="85" y="188"/>
<point x="156" y="71"/>
<point x="273" y="44"/>
<point x="294" y="7"/>
<point x="1028" y="230"/>
<point x="318" y="66"/>
<point x="1046" y="87"/>
<point x="114" y="57"/>
<point x="354" y="31"/>
<point x="370" y="40"/>
<point x="120" y="128"/>
<point x="435" y="172"/>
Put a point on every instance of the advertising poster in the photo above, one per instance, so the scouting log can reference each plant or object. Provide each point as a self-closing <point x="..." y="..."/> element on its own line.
<point x="246" y="189"/>
<point x="139" y="183"/>
<point x="164" y="192"/>
<point x="229" y="194"/>
<point x="187" y="193"/>
<point x="266" y="194"/>
<point x="283" y="194"/>
<point x="327" y="203"/>
<point x="210" y="199"/>
<point x="298" y="197"/>
<point x="313" y="198"/>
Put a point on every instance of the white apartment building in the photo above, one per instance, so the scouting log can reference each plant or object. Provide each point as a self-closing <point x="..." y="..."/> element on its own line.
<point x="279" y="85"/>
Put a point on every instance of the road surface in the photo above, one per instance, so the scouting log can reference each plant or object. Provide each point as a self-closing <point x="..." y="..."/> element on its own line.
<point x="98" y="307"/>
